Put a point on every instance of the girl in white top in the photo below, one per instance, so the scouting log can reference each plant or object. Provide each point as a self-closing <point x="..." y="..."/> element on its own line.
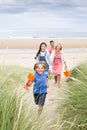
<point x="43" y="55"/>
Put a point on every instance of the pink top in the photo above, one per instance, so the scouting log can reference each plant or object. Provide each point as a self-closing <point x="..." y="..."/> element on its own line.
<point x="57" y="64"/>
<point x="57" y="59"/>
<point x="51" y="49"/>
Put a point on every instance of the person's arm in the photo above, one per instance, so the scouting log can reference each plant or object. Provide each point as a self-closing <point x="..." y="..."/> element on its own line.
<point x="47" y="57"/>
<point x="47" y="85"/>
<point x="52" y="57"/>
<point x="64" y="61"/>
<point x="65" y="65"/>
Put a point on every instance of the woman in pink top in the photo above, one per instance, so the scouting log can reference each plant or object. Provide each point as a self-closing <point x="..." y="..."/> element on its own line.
<point x="57" y="60"/>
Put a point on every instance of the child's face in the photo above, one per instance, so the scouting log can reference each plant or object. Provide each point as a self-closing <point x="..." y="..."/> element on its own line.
<point x="40" y="69"/>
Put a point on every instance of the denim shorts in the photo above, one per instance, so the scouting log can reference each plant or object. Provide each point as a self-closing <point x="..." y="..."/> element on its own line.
<point x="40" y="98"/>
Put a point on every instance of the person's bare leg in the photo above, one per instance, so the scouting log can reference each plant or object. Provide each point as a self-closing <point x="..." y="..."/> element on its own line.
<point x="55" y="78"/>
<point x="58" y="79"/>
<point x="40" y="108"/>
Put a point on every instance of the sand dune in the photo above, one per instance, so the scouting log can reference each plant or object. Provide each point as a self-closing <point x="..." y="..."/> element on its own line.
<point x="32" y="43"/>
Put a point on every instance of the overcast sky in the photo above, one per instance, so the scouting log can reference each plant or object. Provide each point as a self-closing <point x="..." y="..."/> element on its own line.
<point x="59" y="15"/>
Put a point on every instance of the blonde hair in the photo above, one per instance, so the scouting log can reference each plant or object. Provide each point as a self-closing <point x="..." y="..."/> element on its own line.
<point x="57" y="46"/>
<point x="40" y="63"/>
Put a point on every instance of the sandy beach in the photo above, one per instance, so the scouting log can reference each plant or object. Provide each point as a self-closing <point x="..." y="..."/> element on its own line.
<point x="31" y="43"/>
<point x="29" y="48"/>
<point x="27" y="59"/>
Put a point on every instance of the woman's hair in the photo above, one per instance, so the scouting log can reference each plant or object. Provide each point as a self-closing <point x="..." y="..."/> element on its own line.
<point x="39" y="50"/>
<point x="59" y="45"/>
<point x="40" y="63"/>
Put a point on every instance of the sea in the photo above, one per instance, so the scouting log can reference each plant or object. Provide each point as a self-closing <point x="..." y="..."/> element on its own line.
<point x="41" y="34"/>
<point x="32" y="33"/>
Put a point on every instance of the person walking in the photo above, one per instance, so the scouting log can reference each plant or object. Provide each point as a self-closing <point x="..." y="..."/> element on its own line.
<point x="44" y="56"/>
<point x="57" y="60"/>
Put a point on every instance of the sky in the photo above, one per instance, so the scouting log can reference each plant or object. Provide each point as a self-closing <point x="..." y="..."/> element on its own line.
<point x="43" y="18"/>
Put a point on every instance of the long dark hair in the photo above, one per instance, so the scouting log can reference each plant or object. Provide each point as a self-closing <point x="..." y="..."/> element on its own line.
<point x="39" y="50"/>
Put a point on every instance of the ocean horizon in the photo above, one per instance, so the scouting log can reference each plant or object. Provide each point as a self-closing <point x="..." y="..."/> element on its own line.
<point x="41" y="34"/>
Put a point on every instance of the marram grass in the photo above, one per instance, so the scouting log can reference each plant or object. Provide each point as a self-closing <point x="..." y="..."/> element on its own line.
<point x="73" y="106"/>
<point x="17" y="109"/>
<point x="17" y="112"/>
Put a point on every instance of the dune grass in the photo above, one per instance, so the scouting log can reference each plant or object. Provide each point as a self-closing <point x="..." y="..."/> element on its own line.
<point x="73" y="107"/>
<point x="17" y="112"/>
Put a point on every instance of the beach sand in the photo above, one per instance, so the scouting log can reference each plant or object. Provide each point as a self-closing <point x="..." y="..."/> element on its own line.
<point x="27" y="59"/>
<point x="31" y="43"/>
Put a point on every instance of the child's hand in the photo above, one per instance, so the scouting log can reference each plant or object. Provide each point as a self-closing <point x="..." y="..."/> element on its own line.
<point x="65" y="67"/>
<point x="29" y="83"/>
<point x="26" y="87"/>
<point x="47" y="85"/>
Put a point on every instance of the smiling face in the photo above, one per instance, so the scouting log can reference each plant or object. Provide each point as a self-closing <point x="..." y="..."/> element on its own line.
<point x="39" y="68"/>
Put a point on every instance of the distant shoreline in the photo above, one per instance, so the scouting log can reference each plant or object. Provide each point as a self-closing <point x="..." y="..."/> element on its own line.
<point x="43" y="37"/>
<point x="33" y="43"/>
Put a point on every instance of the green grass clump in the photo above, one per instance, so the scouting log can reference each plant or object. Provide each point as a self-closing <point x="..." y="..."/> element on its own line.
<point x="73" y="106"/>
<point x="51" y="76"/>
<point x="16" y="110"/>
<point x="11" y="76"/>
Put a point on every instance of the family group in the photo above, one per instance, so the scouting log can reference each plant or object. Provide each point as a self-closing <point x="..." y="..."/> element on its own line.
<point x="47" y="61"/>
